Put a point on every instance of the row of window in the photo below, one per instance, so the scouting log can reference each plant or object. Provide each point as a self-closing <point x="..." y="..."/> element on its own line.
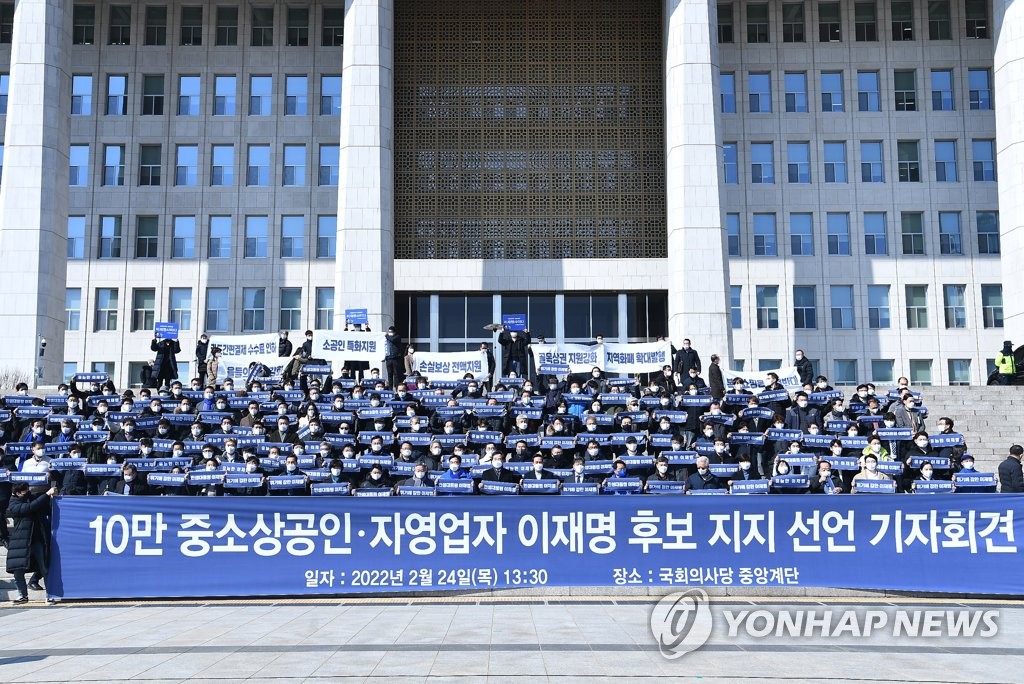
<point x="872" y="162"/>
<point x="842" y="309"/>
<point x="876" y="239"/>
<point x="111" y="242"/>
<point x="258" y="164"/>
<point x="834" y="20"/>
<point x="846" y="371"/>
<point x="833" y="95"/>
<point x="190" y="26"/>
<point x="107" y="309"/>
<point x="189" y="95"/>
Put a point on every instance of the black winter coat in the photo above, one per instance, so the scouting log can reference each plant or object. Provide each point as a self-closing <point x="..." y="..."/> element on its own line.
<point x="31" y="521"/>
<point x="166" y="363"/>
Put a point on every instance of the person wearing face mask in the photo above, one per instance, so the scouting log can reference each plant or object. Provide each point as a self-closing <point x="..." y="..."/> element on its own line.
<point x="906" y="416"/>
<point x="744" y="471"/>
<point x="826" y="480"/>
<point x="1011" y="476"/>
<point x="539" y="472"/>
<point x="967" y="464"/>
<point x="35" y="433"/>
<point x="686" y="359"/>
<point x="284" y="433"/>
<point x="252" y="415"/>
<point x="291" y="467"/>
<point x="377" y="478"/>
<point x="836" y="412"/>
<point x="208" y="402"/>
<point x="29" y="545"/>
<point x="67" y="432"/>
<point x="252" y="467"/>
<point x="703" y="478"/>
<point x="801" y="416"/>
<point x="663" y="472"/>
<point x="578" y="475"/>
<point x="455" y="470"/>
<point x="498" y="472"/>
<point x="515" y="347"/>
<point x="231" y="453"/>
<point x="722" y="453"/>
<point x="131" y="483"/>
<point x="869" y="471"/>
<point x="925" y="474"/>
<point x="804" y="367"/>
<point x="35" y="461"/>
<point x="875" y="448"/>
<point x="420" y="478"/>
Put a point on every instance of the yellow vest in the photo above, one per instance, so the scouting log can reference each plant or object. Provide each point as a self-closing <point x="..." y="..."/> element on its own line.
<point x="1006" y="364"/>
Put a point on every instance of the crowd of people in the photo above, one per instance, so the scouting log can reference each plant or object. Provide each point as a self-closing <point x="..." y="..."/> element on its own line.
<point x="665" y="432"/>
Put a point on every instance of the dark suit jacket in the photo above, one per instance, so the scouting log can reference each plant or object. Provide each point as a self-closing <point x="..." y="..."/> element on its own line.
<point x="504" y="475"/>
<point x="1011" y="476"/>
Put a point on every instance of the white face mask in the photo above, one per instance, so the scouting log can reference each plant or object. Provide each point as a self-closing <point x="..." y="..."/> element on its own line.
<point x="663" y="469"/>
<point x="537" y="467"/>
<point x="802" y="404"/>
<point x="783" y="470"/>
<point x="745" y="465"/>
<point x="497" y="464"/>
<point x="435" y="452"/>
<point x="926" y="473"/>
<point x="454" y="467"/>
<point x="129" y="478"/>
<point x="250" y="468"/>
<point x="418" y="474"/>
<point x="702" y="471"/>
<point x="291" y="467"/>
<point x="922" y="444"/>
<point x="374" y="476"/>
<point x="875" y="448"/>
<point x="592" y="452"/>
<point x="578" y="469"/>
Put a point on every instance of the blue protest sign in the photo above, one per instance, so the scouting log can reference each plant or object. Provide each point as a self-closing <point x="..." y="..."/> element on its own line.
<point x="356" y="316"/>
<point x="514" y="321"/>
<point x="165" y="331"/>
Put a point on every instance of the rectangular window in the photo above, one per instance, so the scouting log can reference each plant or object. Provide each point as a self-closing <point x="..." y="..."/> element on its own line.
<point x="959" y="371"/>
<point x="992" y="306"/>
<point x="938" y="20"/>
<point x="329" y="165"/>
<point x="945" y="161"/>
<point x="905" y="85"/>
<point x="762" y="163"/>
<point x="793" y="22"/>
<point x="977" y="23"/>
<point x="908" y="161"/>
<point x="291" y="308"/>
<point x="143" y="309"/>
<point x="950" y="238"/>
<point x="732" y="234"/>
<point x="5" y="86"/>
<point x="295" y="95"/>
<point x="912" y="227"/>
<point x="217" y="309"/>
<point x="120" y="25"/>
<point x="78" y="158"/>
<point x="222" y="165"/>
<point x="332" y="31"/>
<point x="727" y="85"/>
<point x="865" y="17"/>
<point x="954" y="305"/>
<point x="983" y="153"/>
<point x="81" y="95"/>
<point x="188" y="96"/>
<point x="256" y="228"/>
<point x="293" y="237"/>
<point x="757" y="23"/>
<point x="6" y="22"/>
<point x="759" y="87"/>
<point x="258" y="166"/>
<point x="798" y="162"/>
<point x="767" y="297"/>
<point x="113" y="165"/>
<point x="835" y="162"/>
<point x="330" y="96"/>
<point x="902" y="20"/>
<point x="220" y="237"/>
<point x="147" y="231"/>
<point x="882" y="370"/>
<point x="801" y="235"/>
<point x="224" y="96"/>
<point x="253" y="309"/>
<point x="920" y="371"/>
<point x="186" y="165"/>
<point x="227" y="26"/>
<point x="106" y="308"/>
<point x="988" y="232"/>
<point x="76" y="237"/>
<point x="845" y="372"/>
<point x="878" y="307"/>
<point x="117" y="95"/>
<point x="184" y="238"/>
<point x="83" y="24"/>
<point x="191" y="25"/>
<point x="730" y="163"/>
<point x="867" y="91"/>
<point x="298" y="26"/>
<point x="764" y="235"/>
<point x="872" y="169"/>
<point x="326" y="236"/>
<point x="842" y="307"/>
<point x="260" y="90"/>
<point x="805" y="311"/>
<point x="838" y="233"/>
<point x="153" y="95"/>
<point x="294" y="172"/>
<point x="979" y="88"/>
<point x="917" y="306"/>
<point x="830" y="26"/>
<point x="149" y="165"/>
<point x="179" y="309"/>
<point x="796" y="91"/>
<point x="736" y="306"/>
<point x="942" y="90"/>
<point x="73" y="308"/>
<point x="156" y="25"/>
<point x="875" y="238"/>
<point x="262" y="26"/>
<point x="832" y="91"/>
<point x="324" y="309"/>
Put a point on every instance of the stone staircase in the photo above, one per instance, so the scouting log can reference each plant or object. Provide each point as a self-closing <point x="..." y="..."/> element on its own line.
<point x="990" y="418"/>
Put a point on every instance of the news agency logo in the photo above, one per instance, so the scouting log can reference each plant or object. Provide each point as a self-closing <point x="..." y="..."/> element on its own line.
<point x="681" y="622"/>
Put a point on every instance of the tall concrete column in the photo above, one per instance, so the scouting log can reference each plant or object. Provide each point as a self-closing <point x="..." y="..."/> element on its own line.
<point x="698" y="271"/>
<point x="1008" y="75"/>
<point x="365" y="275"/>
<point x="34" y="192"/>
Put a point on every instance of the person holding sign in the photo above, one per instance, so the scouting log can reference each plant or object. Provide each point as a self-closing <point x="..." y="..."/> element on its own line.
<point x="868" y="472"/>
<point x="499" y="473"/>
<point x="29" y="547"/>
<point x="515" y="346"/>
<point x="165" y="365"/>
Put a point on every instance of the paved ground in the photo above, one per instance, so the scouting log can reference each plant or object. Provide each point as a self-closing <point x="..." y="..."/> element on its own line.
<point x="469" y="639"/>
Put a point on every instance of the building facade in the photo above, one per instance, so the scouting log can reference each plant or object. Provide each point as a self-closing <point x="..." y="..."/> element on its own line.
<point x="756" y="176"/>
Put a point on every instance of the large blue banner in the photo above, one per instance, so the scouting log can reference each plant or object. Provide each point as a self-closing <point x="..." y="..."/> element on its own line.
<point x="236" y="546"/>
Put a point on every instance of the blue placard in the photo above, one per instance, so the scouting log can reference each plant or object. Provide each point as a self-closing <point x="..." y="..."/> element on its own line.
<point x="843" y="462"/>
<point x="330" y="489"/>
<point x="454" y="486"/>
<point x="165" y="331"/>
<point x="895" y="434"/>
<point x="493" y="487"/>
<point x="749" y="487"/>
<point x="286" y="481"/>
<point x="580" y="489"/>
<point x="410" y="490"/>
<point x="890" y="467"/>
<point x="622" y="484"/>
<point x="357" y="317"/>
<point x="790" y="482"/>
<point x="755" y="438"/>
<point x="974" y="480"/>
<point x="932" y="486"/>
<point x="771" y="396"/>
<point x="206" y="477"/>
<point x="67" y="463"/>
<point x="553" y="369"/>
<point x="938" y="441"/>
<point x="515" y="322"/>
<point x="937" y="462"/>
<point x="665" y="487"/>
<point x="874" y="487"/>
<point x="102" y="470"/>
<point x="838" y="427"/>
<point x="89" y="377"/>
<point x="680" y="457"/>
<point x="779" y="434"/>
<point x="539" y="486"/>
<point x="30" y="478"/>
<point x="166" y="479"/>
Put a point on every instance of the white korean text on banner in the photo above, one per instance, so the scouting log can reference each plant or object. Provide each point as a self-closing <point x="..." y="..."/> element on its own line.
<point x="451" y="365"/>
<point x="238" y="351"/>
<point x="645" y="357"/>
<point x="755" y="380"/>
